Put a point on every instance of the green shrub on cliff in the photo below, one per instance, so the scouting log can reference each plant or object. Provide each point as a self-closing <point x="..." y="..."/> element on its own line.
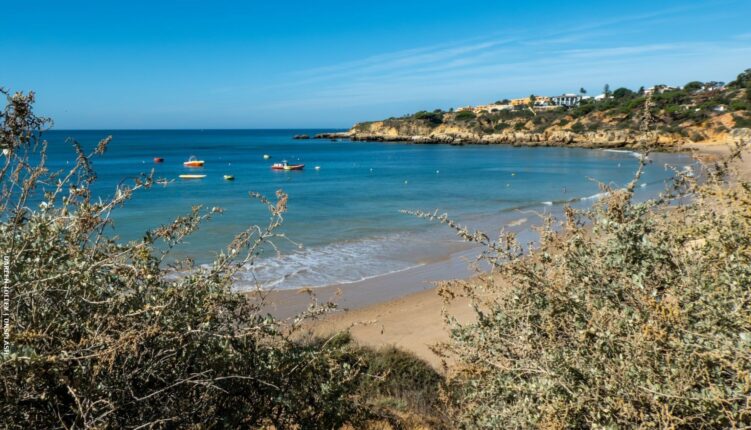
<point x="101" y="338"/>
<point x="628" y="315"/>
<point x="434" y="118"/>
<point x="465" y="115"/>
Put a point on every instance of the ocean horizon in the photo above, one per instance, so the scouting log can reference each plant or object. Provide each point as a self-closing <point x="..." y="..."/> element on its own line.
<point x="344" y="222"/>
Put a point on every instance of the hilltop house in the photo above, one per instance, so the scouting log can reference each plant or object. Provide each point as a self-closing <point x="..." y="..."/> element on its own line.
<point x="658" y="89"/>
<point x="493" y="107"/>
<point x="567" y="100"/>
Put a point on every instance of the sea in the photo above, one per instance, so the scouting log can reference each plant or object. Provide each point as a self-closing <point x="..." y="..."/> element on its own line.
<point x="345" y="220"/>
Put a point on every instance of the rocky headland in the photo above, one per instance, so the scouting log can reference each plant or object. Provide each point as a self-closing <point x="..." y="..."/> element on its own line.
<point x="673" y="119"/>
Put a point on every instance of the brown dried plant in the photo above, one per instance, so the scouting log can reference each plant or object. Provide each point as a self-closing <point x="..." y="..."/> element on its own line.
<point x="101" y="338"/>
<point x="625" y="315"/>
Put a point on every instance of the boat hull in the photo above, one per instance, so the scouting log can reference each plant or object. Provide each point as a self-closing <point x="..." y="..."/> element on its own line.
<point x="289" y="167"/>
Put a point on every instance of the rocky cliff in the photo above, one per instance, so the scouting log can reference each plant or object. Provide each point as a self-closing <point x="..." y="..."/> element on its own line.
<point x="377" y="131"/>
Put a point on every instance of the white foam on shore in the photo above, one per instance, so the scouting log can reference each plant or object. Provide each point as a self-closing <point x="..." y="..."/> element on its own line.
<point x="638" y="155"/>
<point x="337" y="263"/>
<point x="517" y="222"/>
<point x="597" y="196"/>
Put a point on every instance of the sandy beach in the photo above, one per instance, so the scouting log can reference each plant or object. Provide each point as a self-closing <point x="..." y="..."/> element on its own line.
<point x="404" y="309"/>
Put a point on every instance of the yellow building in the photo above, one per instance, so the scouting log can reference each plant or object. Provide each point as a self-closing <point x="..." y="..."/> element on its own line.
<point x="539" y="101"/>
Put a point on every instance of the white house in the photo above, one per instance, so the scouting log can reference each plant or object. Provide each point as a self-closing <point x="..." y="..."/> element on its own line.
<point x="566" y="100"/>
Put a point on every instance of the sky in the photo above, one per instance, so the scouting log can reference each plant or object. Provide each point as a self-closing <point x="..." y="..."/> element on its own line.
<point x="329" y="64"/>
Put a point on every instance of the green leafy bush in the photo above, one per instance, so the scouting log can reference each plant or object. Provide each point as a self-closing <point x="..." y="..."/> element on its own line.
<point x="577" y="127"/>
<point x="742" y="122"/>
<point x="434" y="118"/>
<point x="465" y="115"/>
<point x="739" y="105"/>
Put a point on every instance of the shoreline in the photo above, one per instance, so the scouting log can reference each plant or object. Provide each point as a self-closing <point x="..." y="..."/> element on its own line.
<point x="403" y="309"/>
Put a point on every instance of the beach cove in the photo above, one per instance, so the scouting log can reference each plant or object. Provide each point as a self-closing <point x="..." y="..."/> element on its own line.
<point x="415" y="321"/>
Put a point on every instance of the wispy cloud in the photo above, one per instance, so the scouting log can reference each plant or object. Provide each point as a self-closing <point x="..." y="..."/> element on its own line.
<point x="507" y="63"/>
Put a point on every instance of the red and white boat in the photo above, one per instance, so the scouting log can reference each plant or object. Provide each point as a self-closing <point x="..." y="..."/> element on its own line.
<point x="285" y="166"/>
<point x="193" y="162"/>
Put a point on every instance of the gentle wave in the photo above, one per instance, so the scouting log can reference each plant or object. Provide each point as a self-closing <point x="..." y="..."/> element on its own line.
<point x="635" y="154"/>
<point x="597" y="196"/>
<point x="337" y="263"/>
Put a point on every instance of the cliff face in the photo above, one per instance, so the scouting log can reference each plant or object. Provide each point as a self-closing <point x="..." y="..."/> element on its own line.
<point x="408" y="131"/>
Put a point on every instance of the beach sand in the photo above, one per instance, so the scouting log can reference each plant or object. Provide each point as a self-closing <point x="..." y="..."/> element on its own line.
<point x="404" y="309"/>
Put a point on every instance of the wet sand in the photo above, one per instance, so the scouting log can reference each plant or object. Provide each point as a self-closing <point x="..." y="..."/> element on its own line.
<point x="376" y="290"/>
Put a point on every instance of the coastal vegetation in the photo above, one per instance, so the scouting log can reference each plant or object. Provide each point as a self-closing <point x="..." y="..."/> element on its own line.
<point x="627" y="314"/>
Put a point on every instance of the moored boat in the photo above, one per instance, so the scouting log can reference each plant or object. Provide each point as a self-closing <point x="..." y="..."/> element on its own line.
<point x="229" y="178"/>
<point x="192" y="176"/>
<point x="193" y="162"/>
<point x="158" y="160"/>
<point x="286" y="166"/>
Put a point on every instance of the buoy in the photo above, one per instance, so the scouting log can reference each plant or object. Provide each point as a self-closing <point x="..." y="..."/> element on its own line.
<point x="406" y="182"/>
<point x="513" y="174"/>
<point x="318" y="167"/>
<point x="266" y="156"/>
<point x="438" y="171"/>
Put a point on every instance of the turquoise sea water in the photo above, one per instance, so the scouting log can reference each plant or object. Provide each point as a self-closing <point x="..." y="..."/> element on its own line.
<point x="346" y="216"/>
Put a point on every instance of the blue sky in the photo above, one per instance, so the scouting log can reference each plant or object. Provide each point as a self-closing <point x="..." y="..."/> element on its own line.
<point x="298" y="64"/>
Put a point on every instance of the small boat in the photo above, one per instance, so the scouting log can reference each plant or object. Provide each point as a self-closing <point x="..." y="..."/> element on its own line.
<point x="192" y="176"/>
<point x="266" y="156"/>
<point x="158" y="160"/>
<point x="229" y="178"/>
<point x="285" y="166"/>
<point x="193" y="162"/>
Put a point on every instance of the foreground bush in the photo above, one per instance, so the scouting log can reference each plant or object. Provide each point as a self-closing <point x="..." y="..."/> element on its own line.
<point x="633" y="315"/>
<point x="101" y="338"/>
